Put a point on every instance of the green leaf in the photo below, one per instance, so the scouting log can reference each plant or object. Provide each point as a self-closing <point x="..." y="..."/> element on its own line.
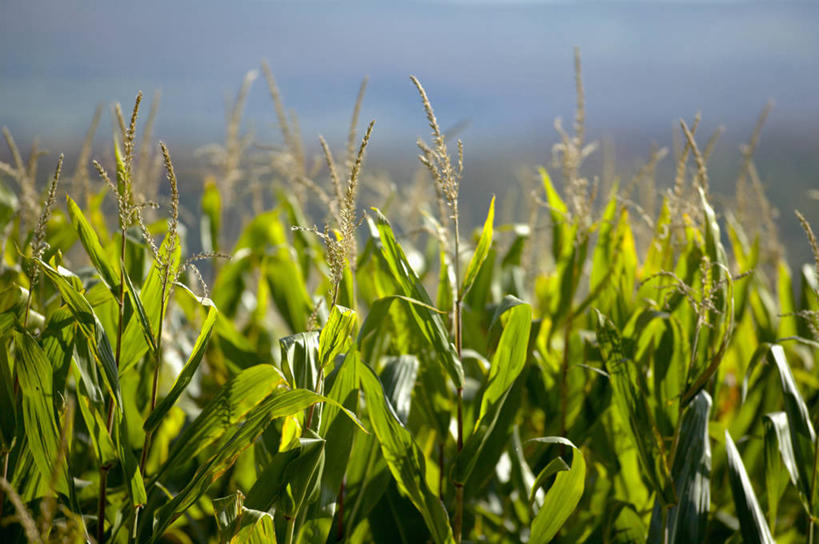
<point x="130" y="469"/>
<point x="507" y="364"/>
<point x="108" y="268"/>
<point x="230" y="406"/>
<point x="559" y="214"/>
<point x="97" y="429"/>
<point x="555" y="465"/>
<point x="255" y="528"/>
<point x="630" y="395"/>
<point x="510" y="356"/>
<point x="562" y="498"/>
<point x="302" y="477"/>
<point x="751" y="520"/>
<point x="40" y="422"/>
<point x="481" y="250"/>
<point x="446" y="278"/>
<point x="802" y="434"/>
<point x="337" y="430"/>
<point x="90" y="328"/>
<point x="335" y="335"/>
<point x="780" y="462"/>
<point x="227" y="511"/>
<point x="403" y="457"/>
<point x="154" y="298"/>
<point x="299" y="359"/>
<point x="398" y="379"/>
<point x="142" y="315"/>
<point x="687" y="520"/>
<point x="429" y="321"/>
<point x="187" y="373"/>
<point x="276" y="405"/>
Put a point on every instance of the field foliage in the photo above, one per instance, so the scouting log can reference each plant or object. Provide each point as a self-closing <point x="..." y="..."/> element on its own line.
<point x="590" y="369"/>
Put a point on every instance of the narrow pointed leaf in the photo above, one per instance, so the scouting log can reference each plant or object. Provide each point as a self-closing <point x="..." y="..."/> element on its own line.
<point x="108" y="268"/>
<point x="428" y="321"/>
<point x="481" y="250"/>
<point x="335" y="335"/>
<point x="41" y="426"/>
<point x="562" y="498"/>
<point x="187" y="373"/>
<point x="630" y="398"/>
<point x="403" y="457"/>
<point x="751" y="520"/>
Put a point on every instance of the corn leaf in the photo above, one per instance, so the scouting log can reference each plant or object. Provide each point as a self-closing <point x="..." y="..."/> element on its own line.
<point x="780" y="463"/>
<point x="187" y="373"/>
<point x="803" y="437"/>
<point x="507" y="364"/>
<point x="562" y="498"/>
<point x="751" y="520"/>
<point x="276" y="405"/>
<point x="90" y="327"/>
<point x="403" y="457"/>
<point x="108" y="268"/>
<point x="40" y="422"/>
<point x="335" y="335"/>
<point x="630" y="398"/>
<point x="405" y="277"/>
<point x="481" y="250"/>
<point x="687" y="519"/>
<point x="230" y="406"/>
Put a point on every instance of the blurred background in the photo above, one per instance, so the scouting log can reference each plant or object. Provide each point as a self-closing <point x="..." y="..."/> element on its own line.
<point x="499" y="71"/>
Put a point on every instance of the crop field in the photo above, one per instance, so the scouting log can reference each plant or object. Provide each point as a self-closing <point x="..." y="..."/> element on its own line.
<point x="310" y="353"/>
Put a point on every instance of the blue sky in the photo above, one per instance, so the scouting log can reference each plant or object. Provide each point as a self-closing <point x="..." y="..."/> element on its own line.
<point x="506" y="68"/>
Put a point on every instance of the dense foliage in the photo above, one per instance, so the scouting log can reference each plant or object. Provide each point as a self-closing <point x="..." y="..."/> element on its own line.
<point x="610" y="375"/>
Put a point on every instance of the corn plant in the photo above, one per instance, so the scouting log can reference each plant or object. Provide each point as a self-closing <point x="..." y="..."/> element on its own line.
<point x="599" y="371"/>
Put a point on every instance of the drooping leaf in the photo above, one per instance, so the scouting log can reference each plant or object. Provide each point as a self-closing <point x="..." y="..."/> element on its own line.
<point x="803" y="437"/>
<point x="276" y="405"/>
<point x="230" y="406"/>
<point x="90" y="327"/>
<point x="780" y="462"/>
<point x="108" y="268"/>
<point x="562" y="498"/>
<point x="403" y="457"/>
<point x="428" y="321"/>
<point x="751" y="520"/>
<point x="687" y="520"/>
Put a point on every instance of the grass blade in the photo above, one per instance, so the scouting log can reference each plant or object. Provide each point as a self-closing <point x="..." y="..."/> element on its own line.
<point x="481" y="250"/>
<point x="751" y="520"/>
<point x="562" y="498"/>
<point x="403" y="457"/>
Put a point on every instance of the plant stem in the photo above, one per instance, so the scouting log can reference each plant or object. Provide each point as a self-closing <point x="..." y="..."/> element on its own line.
<point x="457" y="523"/>
<point x="564" y="377"/>
<point x="5" y="477"/>
<point x="441" y="470"/>
<point x="104" y="468"/>
<point x="291" y="529"/>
